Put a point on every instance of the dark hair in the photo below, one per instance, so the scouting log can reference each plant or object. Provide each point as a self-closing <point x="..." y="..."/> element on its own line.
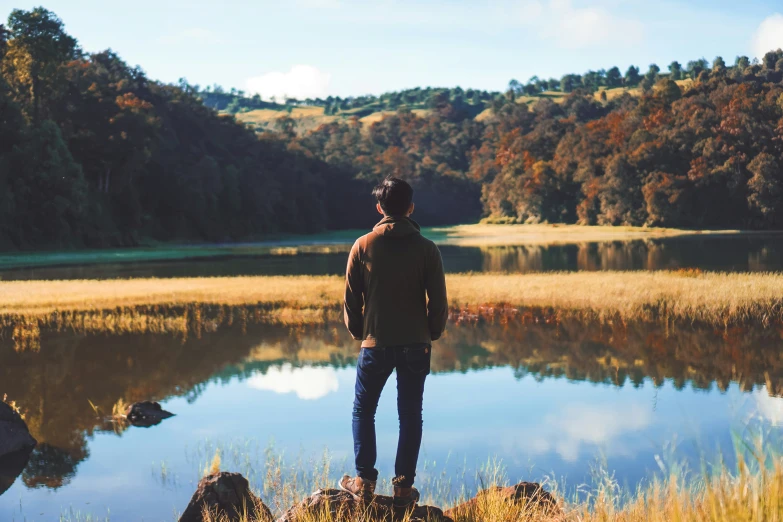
<point x="394" y="195"/>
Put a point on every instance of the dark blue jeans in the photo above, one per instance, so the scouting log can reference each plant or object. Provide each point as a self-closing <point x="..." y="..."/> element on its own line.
<point x="375" y="365"/>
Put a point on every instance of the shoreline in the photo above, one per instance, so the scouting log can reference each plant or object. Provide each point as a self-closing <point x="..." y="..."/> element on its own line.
<point x="474" y="235"/>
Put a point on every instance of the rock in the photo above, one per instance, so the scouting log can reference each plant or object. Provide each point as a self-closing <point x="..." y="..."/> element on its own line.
<point x="146" y="413"/>
<point x="230" y="495"/>
<point x="344" y="507"/>
<point x="529" y="493"/>
<point x="14" y="435"/>
<point x="11" y="466"/>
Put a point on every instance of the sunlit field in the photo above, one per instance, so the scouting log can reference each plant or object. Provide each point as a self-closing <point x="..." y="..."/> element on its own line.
<point x="720" y="299"/>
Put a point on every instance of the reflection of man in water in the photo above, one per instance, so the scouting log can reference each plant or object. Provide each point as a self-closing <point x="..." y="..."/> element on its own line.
<point x="395" y="303"/>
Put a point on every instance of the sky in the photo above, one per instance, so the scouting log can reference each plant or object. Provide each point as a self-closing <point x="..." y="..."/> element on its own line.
<point x="316" y="48"/>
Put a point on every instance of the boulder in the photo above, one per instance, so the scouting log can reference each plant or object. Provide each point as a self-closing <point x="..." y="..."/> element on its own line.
<point x="343" y="507"/>
<point x="229" y="495"/>
<point x="11" y="466"/>
<point x="146" y="413"/>
<point x="528" y="493"/>
<point x="14" y="435"/>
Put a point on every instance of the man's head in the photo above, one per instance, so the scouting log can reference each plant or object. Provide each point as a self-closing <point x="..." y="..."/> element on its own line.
<point x="395" y="197"/>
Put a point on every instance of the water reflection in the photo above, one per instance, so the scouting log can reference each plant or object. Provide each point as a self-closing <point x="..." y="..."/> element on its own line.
<point x="723" y="253"/>
<point x="307" y="383"/>
<point x="71" y="384"/>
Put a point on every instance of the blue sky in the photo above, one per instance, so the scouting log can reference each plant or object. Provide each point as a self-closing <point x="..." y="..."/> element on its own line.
<point x="348" y="47"/>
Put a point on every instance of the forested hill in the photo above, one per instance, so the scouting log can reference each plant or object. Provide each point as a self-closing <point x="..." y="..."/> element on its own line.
<point x="94" y="153"/>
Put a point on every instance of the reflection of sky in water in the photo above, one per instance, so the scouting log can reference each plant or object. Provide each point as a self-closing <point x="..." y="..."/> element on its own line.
<point x="306" y="383"/>
<point x="537" y="428"/>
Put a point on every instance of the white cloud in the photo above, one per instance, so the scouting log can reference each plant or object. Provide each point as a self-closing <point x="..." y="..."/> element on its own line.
<point x="302" y="81"/>
<point x="577" y="425"/>
<point x="564" y="25"/>
<point x="769" y="35"/>
<point x="193" y="34"/>
<point x="769" y="407"/>
<point x="307" y="383"/>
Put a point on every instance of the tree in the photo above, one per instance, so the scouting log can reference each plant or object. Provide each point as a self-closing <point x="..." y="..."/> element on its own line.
<point x="531" y="89"/>
<point x="49" y="188"/>
<point x="614" y="78"/>
<point x="652" y="72"/>
<point x="37" y="49"/>
<point x="675" y="70"/>
<point x="765" y="188"/>
<point x="569" y="82"/>
<point x="742" y="63"/>
<point x="770" y="59"/>
<point x="695" y="67"/>
<point x="718" y="65"/>
<point x="632" y="77"/>
<point x="667" y="90"/>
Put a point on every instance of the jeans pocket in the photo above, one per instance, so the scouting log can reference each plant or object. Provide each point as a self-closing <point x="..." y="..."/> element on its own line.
<point x="372" y="361"/>
<point x="418" y="358"/>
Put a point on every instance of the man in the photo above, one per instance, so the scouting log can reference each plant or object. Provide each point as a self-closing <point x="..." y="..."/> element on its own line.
<point x="395" y="303"/>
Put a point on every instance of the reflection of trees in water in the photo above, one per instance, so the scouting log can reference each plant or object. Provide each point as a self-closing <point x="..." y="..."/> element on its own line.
<point x="56" y="384"/>
<point x="616" y="255"/>
<point x="617" y="355"/>
<point x="710" y="253"/>
<point x="52" y="467"/>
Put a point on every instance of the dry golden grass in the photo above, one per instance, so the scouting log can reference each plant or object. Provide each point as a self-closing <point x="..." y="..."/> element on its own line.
<point x="742" y="496"/>
<point x="717" y="298"/>
<point x="143" y="305"/>
<point x="544" y="234"/>
<point x="378" y="116"/>
<point x="268" y="115"/>
<point x="307" y="118"/>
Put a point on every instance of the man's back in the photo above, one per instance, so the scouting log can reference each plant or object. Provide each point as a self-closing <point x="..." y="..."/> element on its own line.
<point x="391" y="272"/>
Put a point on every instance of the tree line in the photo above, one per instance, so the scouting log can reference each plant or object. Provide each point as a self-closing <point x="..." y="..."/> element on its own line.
<point x="94" y="153"/>
<point x="235" y="100"/>
<point x="707" y="154"/>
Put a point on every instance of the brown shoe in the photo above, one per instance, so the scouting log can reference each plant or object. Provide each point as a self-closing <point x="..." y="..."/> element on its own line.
<point x="404" y="498"/>
<point x="359" y="488"/>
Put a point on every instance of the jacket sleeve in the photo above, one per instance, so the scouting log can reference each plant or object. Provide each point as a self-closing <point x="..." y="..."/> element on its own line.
<point x="353" y="301"/>
<point x="438" y="303"/>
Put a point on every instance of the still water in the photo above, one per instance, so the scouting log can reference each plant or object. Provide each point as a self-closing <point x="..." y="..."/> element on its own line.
<point x="719" y="253"/>
<point x="549" y="401"/>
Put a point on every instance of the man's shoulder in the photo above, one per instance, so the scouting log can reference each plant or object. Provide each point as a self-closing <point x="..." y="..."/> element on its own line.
<point x="363" y="240"/>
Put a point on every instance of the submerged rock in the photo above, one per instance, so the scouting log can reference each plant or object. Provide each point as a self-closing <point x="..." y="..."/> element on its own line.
<point x="343" y="507"/>
<point x="528" y="493"/>
<point x="14" y="435"/>
<point x="11" y="466"/>
<point x="146" y="413"/>
<point x="228" y="494"/>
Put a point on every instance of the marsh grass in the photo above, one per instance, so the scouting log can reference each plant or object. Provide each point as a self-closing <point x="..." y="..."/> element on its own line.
<point x="14" y="406"/>
<point x="750" y="492"/>
<point x="187" y="306"/>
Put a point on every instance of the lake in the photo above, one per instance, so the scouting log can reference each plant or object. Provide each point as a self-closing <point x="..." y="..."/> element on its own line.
<point x="326" y="255"/>
<point x="549" y="401"/>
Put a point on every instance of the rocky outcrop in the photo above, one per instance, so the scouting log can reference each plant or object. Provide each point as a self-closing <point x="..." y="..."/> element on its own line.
<point x="229" y="495"/>
<point x="14" y="435"/>
<point x="16" y="443"/>
<point x="529" y="494"/>
<point x="145" y="414"/>
<point x="344" y="507"/>
<point x="11" y="466"/>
